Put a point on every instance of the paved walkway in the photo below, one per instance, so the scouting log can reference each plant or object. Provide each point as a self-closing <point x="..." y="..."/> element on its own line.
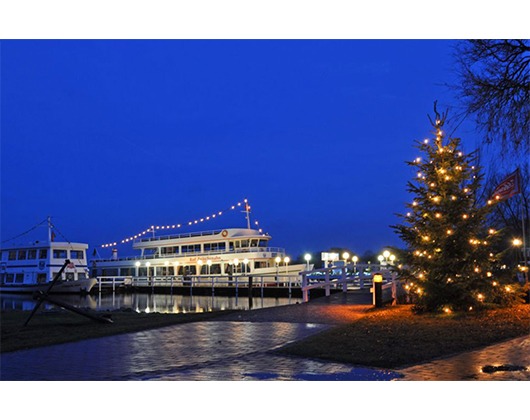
<point x="240" y="346"/>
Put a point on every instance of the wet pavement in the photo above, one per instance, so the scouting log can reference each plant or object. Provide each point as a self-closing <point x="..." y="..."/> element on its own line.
<point x="239" y="347"/>
<point x="196" y="351"/>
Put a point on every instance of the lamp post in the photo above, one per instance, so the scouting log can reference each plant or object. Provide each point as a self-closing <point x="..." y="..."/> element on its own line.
<point x="277" y="260"/>
<point x="355" y="258"/>
<point x="236" y="263"/>
<point x="286" y="262"/>
<point x="245" y="261"/>
<point x="377" y="297"/>
<point x="518" y="243"/>
<point x="147" y="265"/>
<point x="307" y="258"/>
<point x="209" y="263"/>
<point x="346" y="257"/>
<point x="137" y="264"/>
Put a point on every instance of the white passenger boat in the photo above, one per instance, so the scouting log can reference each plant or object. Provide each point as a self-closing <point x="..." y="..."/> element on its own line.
<point x="231" y="252"/>
<point x="31" y="267"/>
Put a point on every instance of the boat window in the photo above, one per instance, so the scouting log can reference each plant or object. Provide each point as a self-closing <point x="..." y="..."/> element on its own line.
<point x="263" y="243"/>
<point x="32" y="254"/>
<point x="127" y="271"/>
<point x="110" y="272"/>
<point x="43" y="254"/>
<point x="81" y="276"/>
<point x="170" y="250"/>
<point x="59" y="253"/>
<point x="22" y="254"/>
<point x="19" y="278"/>
<point x="75" y="254"/>
<point x="191" y="248"/>
<point x="216" y="246"/>
<point x="150" y="251"/>
<point x="253" y="243"/>
<point x="164" y="271"/>
<point x="10" y="277"/>
<point x="12" y="255"/>
<point x="244" y="243"/>
<point x="215" y="269"/>
<point x="190" y="270"/>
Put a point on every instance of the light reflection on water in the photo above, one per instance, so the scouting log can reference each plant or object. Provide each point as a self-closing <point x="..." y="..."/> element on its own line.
<point x="145" y="302"/>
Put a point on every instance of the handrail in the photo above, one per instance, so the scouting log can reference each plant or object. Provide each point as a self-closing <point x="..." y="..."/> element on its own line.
<point x="272" y="250"/>
<point x="179" y="235"/>
<point x="357" y="275"/>
<point x="215" y="280"/>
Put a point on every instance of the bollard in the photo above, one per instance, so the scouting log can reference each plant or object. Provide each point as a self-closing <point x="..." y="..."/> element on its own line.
<point x="378" y="290"/>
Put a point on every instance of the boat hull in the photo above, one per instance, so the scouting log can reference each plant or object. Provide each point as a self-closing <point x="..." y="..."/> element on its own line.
<point x="76" y="287"/>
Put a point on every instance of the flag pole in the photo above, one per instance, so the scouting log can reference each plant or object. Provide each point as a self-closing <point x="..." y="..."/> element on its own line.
<point x="525" y="261"/>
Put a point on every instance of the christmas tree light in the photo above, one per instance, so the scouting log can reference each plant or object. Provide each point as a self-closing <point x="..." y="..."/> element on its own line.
<point x="450" y="258"/>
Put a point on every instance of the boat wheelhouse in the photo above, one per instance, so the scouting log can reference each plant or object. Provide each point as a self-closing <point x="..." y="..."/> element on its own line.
<point x="32" y="267"/>
<point x="222" y="252"/>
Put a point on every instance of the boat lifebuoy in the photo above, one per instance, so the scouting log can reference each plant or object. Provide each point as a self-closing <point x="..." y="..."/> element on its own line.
<point x="224" y="233"/>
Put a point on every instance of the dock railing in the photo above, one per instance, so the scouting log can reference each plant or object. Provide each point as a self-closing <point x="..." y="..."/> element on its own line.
<point x="348" y="277"/>
<point x="261" y="281"/>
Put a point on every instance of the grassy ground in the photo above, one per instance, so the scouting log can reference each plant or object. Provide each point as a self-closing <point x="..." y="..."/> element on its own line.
<point x="56" y="327"/>
<point x="395" y="337"/>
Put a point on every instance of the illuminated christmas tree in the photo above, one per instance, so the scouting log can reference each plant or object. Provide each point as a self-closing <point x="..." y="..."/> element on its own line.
<point x="450" y="264"/>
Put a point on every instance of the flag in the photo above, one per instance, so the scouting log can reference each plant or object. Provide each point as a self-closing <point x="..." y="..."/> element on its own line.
<point x="510" y="186"/>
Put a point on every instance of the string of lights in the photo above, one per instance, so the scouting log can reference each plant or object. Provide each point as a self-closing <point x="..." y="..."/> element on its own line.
<point x="153" y="228"/>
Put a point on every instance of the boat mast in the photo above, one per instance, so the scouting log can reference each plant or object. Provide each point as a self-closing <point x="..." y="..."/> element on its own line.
<point x="247" y="211"/>
<point x="49" y="229"/>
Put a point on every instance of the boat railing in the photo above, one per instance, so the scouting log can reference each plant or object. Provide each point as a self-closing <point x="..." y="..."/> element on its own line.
<point x="273" y="251"/>
<point x="178" y="236"/>
<point x="288" y="281"/>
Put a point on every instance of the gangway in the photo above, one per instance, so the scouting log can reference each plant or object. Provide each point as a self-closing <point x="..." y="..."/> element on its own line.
<point x="349" y="277"/>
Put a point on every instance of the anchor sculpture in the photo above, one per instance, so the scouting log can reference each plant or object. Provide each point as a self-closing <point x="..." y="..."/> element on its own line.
<point x="45" y="297"/>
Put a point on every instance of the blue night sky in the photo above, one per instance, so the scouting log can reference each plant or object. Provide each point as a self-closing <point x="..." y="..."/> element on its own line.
<point x="111" y="137"/>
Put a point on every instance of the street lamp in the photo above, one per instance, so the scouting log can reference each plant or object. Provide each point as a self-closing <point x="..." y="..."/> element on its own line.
<point x="286" y="261"/>
<point x="245" y="261"/>
<point x="147" y="265"/>
<point x="346" y="256"/>
<point x="517" y="242"/>
<point x="392" y="259"/>
<point x="380" y="258"/>
<point x="307" y="258"/>
<point x="277" y="260"/>
<point x="137" y="264"/>
<point x="355" y="258"/>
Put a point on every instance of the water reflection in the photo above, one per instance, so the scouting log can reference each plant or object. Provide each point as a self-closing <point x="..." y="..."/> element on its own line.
<point x="145" y="302"/>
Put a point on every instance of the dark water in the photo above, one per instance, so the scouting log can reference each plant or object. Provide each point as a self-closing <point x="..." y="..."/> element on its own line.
<point x="145" y="302"/>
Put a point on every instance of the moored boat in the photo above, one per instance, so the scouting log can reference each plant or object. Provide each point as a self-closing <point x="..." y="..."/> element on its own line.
<point x="31" y="267"/>
<point x="222" y="252"/>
